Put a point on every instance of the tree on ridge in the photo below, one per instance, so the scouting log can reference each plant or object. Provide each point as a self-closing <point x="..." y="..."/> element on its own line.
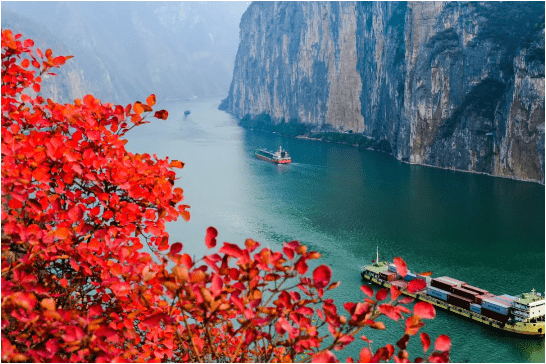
<point x="76" y="285"/>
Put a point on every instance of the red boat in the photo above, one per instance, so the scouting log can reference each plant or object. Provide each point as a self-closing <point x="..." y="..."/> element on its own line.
<point x="280" y="156"/>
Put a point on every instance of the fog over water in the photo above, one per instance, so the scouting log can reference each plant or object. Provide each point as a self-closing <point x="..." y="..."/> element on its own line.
<point x="127" y="50"/>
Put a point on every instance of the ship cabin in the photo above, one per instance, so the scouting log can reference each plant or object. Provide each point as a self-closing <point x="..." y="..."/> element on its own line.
<point x="374" y="269"/>
<point x="529" y="307"/>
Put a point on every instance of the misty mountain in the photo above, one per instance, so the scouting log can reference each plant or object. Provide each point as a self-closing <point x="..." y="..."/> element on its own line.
<point x="126" y="50"/>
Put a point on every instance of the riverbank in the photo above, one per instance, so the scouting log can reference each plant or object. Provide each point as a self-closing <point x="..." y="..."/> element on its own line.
<point x="298" y="130"/>
<point x="344" y="202"/>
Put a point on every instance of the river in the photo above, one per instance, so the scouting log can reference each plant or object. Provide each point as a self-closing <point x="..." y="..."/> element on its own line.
<point x="343" y="202"/>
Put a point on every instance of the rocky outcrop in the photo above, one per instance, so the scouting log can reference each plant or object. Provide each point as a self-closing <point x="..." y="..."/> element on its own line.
<point x="455" y="85"/>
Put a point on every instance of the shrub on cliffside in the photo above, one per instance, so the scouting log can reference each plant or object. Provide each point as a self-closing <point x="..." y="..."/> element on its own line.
<point x="76" y="211"/>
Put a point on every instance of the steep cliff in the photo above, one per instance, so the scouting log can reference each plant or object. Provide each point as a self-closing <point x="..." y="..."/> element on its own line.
<point x="450" y="84"/>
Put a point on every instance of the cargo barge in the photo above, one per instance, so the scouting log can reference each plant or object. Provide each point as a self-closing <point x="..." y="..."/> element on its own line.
<point x="523" y="314"/>
<point x="281" y="156"/>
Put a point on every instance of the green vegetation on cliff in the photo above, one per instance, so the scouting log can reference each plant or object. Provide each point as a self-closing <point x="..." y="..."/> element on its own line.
<point x="264" y="122"/>
<point x="296" y="129"/>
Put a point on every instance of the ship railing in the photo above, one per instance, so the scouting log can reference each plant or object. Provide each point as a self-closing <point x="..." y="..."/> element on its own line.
<point x="520" y="306"/>
<point x="455" y="308"/>
<point x="520" y="313"/>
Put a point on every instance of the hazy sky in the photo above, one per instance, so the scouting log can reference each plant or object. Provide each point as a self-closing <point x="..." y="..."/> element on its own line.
<point x="184" y="48"/>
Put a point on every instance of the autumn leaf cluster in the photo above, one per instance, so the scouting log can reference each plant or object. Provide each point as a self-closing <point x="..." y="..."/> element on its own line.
<point x="77" y="211"/>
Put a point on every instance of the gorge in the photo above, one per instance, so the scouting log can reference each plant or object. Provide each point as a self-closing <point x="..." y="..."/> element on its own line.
<point x="456" y="85"/>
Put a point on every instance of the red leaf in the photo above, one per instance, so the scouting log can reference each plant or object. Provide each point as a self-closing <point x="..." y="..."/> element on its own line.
<point x="150" y="100"/>
<point x="322" y="276"/>
<point x="88" y="100"/>
<point x="176" y="164"/>
<point x="289" y="252"/>
<point x="48" y="304"/>
<point x="36" y="87"/>
<point x="365" y="355"/>
<point x="301" y="266"/>
<point x="237" y="302"/>
<point x="59" y="61"/>
<point x="401" y="267"/>
<point x="210" y="238"/>
<point x="368" y="291"/>
<point x="107" y="215"/>
<point x="161" y="114"/>
<point x="424" y="310"/>
<point x="197" y="276"/>
<point x="395" y="292"/>
<point x="62" y="233"/>
<point x="381" y="294"/>
<point x="324" y="357"/>
<point x="416" y="285"/>
<point x="25" y="63"/>
<point x="175" y="248"/>
<point x="442" y="343"/>
<point x="28" y="43"/>
<point x="378" y="325"/>
<point x="403" y="342"/>
<point x="439" y="357"/>
<point x="64" y="282"/>
<point x="186" y="260"/>
<point x="75" y="214"/>
<point x="52" y="346"/>
<point x="15" y="204"/>
<point x="251" y="245"/>
<point x="413" y="324"/>
<point x="232" y="250"/>
<point x="390" y="350"/>
<point x="74" y="265"/>
<point x="137" y="108"/>
<point x="216" y="286"/>
<point x="307" y="311"/>
<point x="425" y="341"/>
<point x="154" y="320"/>
<point x="389" y="311"/>
<point x="406" y="300"/>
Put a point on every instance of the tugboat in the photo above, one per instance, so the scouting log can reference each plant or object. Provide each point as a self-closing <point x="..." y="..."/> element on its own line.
<point x="280" y="157"/>
<point x="522" y="314"/>
<point x="187" y="112"/>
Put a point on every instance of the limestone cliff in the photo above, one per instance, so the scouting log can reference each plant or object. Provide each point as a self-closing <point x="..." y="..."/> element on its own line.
<point x="450" y="84"/>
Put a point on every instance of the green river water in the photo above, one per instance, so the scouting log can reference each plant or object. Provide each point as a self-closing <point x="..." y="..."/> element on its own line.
<point x="343" y="202"/>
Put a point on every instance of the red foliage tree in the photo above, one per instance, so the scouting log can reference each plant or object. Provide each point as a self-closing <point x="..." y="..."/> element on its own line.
<point x="76" y="286"/>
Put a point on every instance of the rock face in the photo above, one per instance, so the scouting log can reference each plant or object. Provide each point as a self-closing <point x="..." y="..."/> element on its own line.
<point x="447" y="84"/>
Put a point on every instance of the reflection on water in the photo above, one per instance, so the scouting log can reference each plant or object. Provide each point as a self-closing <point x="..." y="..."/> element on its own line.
<point x="344" y="202"/>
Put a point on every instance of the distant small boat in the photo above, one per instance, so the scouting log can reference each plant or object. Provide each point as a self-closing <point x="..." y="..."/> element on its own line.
<point x="187" y="112"/>
<point x="280" y="156"/>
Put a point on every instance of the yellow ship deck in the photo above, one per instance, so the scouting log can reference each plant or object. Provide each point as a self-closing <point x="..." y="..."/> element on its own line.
<point x="532" y="329"/>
